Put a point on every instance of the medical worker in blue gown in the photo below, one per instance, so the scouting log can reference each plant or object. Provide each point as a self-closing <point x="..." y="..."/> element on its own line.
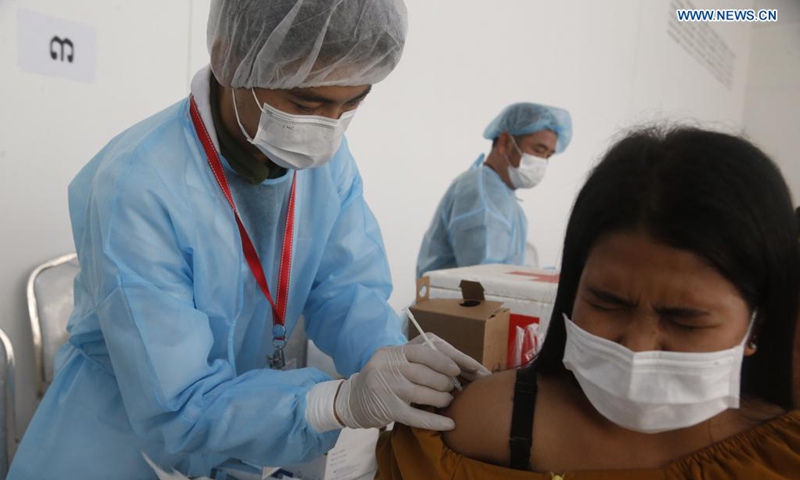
<point x="479" y="220"/>
<point x="185" y="222"/>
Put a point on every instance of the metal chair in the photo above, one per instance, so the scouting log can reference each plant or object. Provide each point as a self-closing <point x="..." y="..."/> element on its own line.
<point x="531" y="255"/>
<point x="50" y="304"/>
<point x="7" y="425"/>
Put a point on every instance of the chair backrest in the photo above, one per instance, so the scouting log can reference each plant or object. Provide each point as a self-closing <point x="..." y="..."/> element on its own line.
<point x="531" y="255"/>
<point x="50" y="304"/>
<point x="8" y="440"/>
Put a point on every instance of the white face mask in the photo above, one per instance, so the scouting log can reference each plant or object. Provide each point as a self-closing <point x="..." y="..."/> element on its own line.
<point x="653" y="391"/>
<point x="530" y="172"/>
<point x="296" y="141"/>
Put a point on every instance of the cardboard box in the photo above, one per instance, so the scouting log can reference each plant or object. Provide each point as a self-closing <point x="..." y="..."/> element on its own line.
<point x="470" y="323"/>
<point x="352" y="458"/>
<point x="528" y="293"/>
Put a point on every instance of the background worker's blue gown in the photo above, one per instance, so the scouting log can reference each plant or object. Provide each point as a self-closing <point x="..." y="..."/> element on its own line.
<point x="478" y="221"/>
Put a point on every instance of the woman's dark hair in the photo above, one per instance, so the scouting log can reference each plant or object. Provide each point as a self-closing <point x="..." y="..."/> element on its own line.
<point x="715" y="195"/>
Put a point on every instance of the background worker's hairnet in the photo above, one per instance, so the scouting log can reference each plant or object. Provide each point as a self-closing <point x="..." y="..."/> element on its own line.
<point x="283" y="44"/>
<point x="526" y="118"/>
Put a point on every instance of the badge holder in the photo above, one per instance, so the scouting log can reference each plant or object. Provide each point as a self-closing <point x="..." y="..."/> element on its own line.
<point x="278" y="360"/>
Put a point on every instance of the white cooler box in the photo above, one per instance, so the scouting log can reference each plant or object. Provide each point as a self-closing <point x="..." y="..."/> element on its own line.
<point x="528" y="292"/>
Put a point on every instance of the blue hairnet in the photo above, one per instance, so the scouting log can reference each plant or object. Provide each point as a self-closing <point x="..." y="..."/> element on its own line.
<point x="284" y="44"/>
<point x="526" y="118"/>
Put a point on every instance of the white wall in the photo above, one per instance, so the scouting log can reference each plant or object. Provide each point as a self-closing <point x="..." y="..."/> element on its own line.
<point x="464" y="61"/>
<point x="50" y="127"/>
<point x="772" y="112"/>
<point x="609" y="64"/>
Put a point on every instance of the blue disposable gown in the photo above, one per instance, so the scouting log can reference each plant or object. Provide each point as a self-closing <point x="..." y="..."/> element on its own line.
<point x="169" y="335"/>
<point x="478" y="221"/>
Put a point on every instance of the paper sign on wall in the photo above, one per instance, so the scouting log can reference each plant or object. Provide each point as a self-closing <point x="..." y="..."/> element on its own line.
<point x="56" y="47"/>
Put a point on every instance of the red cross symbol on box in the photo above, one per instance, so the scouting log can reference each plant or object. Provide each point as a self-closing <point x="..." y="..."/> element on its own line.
<point x="539" y="277"/>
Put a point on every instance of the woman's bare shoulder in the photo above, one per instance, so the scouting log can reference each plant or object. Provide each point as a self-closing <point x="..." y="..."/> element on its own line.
<point x="482" y="413"/>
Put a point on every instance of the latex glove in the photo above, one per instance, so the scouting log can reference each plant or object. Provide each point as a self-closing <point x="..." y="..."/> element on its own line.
<point x="396" y="377"/>
<point x="471" y="369"/>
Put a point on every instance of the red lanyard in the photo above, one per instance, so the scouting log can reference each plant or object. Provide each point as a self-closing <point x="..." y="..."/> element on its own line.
<point x="279" y="308"/>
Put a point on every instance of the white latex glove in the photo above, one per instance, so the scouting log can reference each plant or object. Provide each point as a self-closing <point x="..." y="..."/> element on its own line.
<point x="396" y="377"/>
<point x="471" y="369"/>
